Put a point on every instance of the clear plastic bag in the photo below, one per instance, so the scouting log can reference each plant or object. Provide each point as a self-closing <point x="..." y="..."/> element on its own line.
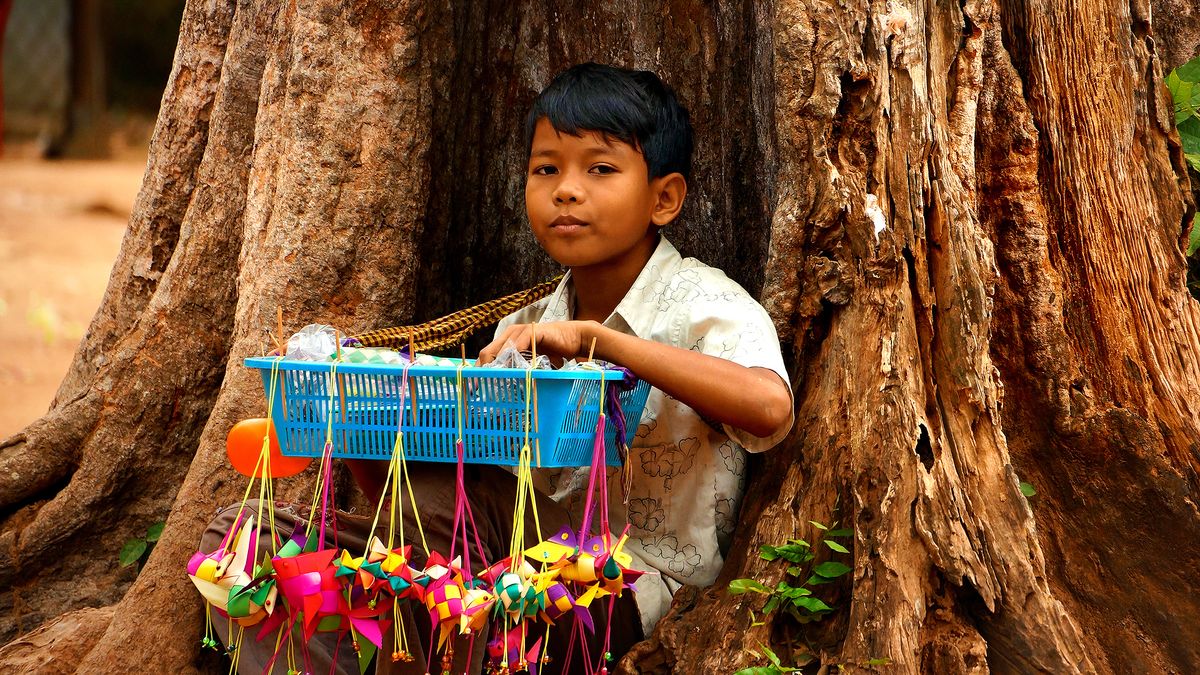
<point x="511" y="357"/>
<point x="314" y="342"/>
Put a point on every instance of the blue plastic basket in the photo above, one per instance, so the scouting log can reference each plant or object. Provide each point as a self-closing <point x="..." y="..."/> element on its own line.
<point x="370" y="405"/>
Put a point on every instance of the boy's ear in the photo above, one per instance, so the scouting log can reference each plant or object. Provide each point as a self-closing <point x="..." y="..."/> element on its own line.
<point x="670" y="191"/>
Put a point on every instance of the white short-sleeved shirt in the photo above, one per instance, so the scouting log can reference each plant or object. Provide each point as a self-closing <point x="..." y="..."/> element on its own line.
<point x="687" y="475"/>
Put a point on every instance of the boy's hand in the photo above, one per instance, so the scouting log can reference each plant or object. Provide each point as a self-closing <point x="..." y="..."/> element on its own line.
<point x="755" y="400"/>
<point x="563" y="340"/>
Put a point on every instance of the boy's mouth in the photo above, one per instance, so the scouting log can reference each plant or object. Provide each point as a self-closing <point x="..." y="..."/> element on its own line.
<point x="567" y="223"/>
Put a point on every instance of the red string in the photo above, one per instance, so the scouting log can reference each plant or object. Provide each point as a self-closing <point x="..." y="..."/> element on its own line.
<point x="597" y="468"/>
<point x="326" y="473"/>
<point x="462" y="507"/>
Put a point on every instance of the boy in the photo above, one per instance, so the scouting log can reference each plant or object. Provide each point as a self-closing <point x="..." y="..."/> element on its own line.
<point x="609" y="155"/>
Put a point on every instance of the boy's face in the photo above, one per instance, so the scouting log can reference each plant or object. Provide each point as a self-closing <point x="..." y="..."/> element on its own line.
<point x="589" y="202"/>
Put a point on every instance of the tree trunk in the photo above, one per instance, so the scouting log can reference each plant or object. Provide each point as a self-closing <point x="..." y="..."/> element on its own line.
<point x="966" y="219"/>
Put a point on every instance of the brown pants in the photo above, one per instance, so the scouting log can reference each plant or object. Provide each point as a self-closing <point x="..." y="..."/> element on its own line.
<point x="492" y="492"/>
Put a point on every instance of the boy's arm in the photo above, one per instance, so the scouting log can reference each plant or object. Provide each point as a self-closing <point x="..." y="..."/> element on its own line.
<point x="755" y="400"/>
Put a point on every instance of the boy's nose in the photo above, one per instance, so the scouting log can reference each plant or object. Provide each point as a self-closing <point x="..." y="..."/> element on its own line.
<point x="567" y="193"/>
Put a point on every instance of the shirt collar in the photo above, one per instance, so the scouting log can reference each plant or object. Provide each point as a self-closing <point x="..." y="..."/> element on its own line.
<point x="639" y="307"/>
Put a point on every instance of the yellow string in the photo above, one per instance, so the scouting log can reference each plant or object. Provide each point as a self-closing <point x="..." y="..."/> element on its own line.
<point x="291" y="654"/>
<point x="412" y="497"/>
<point x="387" y="482"/>
<point x="397" y="468"/>
<point x="279" y="641"/>
<point x="320" y="483"/>
<point x="413" y="500"/>
<point x="208" y="622"/>
<point x="236" y="648"/>
<point x="261" y="470"/>
<point x="517" y="540"/>
<point x="266" y="452"/>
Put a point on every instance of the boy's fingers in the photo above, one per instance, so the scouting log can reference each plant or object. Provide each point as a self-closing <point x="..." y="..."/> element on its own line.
<point x="490" y="352"/>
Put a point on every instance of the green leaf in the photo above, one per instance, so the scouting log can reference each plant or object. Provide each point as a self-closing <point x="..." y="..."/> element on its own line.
<point x="831" y="569"/>
<point x="791" y="592"/>
<point x="1190" y="71"/>
<point x="813" y="604"/>
<point x="883" y="661"/>
<point x="816" y="580"/>
<point x="155" y="531"/>
<point x="759" y="670"/>
<point x="819" y="526"/>
<point x="796" y="553"/>
<point x="795" y="571"/>
<point x="131" y="552"/>
<point x="771" y="605"/>
<point x="840" y="533"/>
<point x="1183" y="95"/>
<point x="771" y="656"/>
<point x="767" y="552"/>
<point x="1189" y="135"/>
<point x="1027" y="489"/>
<point x="836" y="546"/>
<point x="740" y="586"/>
<point x="1193" y="159"/>
<point x="1173" y="81"/>
<point x="1194" y="236"/>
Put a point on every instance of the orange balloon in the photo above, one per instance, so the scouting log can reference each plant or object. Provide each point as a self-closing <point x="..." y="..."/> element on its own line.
<point x="244" y="444"/>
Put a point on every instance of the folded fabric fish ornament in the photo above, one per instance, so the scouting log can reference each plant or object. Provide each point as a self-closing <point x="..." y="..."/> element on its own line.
<point x="391" y="569"/>
<point x="504" y="651"/>
<point x="558" y="601"/>
<point x="309" y="584"/>
<point x="554" y="549"/>
<point x="267" y="575"/>
<point x="224" y="576"/>
<point x="454" y="604"/>
<point x="368" y="617"/>
<point x="594" y="566"/>
<point x="515" y="588"/>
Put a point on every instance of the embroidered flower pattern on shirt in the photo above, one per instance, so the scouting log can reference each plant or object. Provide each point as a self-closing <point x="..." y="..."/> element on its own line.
<point x="646" y="426"/>
<point x="725" y="517"/>
<point x="646" y="513"/>
<point x="733" y="457"/>
<point x="679" y="559"/>
<point x="669" y="461"/>
<point x="680" y="288"/>
<point x="728" y="296"/>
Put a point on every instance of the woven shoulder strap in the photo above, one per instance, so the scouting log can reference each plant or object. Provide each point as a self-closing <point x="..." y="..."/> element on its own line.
<point x="454" y="328"/>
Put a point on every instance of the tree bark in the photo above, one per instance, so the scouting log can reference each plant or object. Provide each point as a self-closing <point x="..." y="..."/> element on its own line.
<point x="966" y="219"/>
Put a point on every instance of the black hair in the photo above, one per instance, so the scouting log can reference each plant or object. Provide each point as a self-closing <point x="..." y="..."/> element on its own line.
<point x="632" y="106"/>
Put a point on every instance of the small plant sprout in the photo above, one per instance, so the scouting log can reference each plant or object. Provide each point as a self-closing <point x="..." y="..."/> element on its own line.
<point x="137" y="550"/>
<point x="793" y="596"/>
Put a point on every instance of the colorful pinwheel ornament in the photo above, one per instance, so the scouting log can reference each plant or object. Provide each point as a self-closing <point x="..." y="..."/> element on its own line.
<point x="307" y="587"/>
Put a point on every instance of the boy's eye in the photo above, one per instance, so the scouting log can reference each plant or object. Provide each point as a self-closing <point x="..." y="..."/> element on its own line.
<point x="604" y="169"/>
<point x="545" y="170"/>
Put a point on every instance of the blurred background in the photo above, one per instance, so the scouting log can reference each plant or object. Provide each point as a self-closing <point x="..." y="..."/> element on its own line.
<point x="81" y="83"/>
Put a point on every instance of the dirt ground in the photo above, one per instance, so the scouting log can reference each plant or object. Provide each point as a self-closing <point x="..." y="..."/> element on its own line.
<point x="61" y="224"/>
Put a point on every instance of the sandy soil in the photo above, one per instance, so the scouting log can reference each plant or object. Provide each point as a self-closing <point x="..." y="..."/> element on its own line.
<point x="61" y="225"/>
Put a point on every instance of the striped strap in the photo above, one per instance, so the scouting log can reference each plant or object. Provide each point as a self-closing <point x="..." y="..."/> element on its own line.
<point x="454" y="328"/>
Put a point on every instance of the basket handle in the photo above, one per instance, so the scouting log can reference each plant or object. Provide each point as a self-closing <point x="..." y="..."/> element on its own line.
<point x="455" y="327"/>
